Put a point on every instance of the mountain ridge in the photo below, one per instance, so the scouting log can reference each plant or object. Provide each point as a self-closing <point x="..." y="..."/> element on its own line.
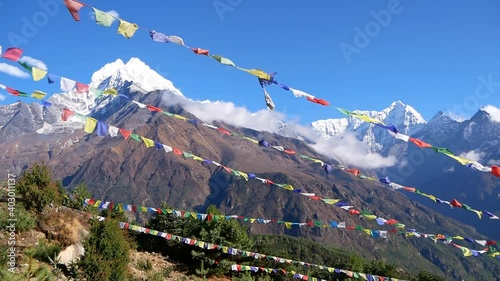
<point x="126" y="171"/>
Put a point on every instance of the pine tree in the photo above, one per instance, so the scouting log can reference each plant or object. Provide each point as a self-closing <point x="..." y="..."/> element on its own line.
<point x="106" y="253"/>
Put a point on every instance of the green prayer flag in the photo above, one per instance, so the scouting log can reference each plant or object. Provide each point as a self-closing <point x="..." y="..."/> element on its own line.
<point x="344" y="111"/>
<point x="135" y="137"/>
<point x="103" y="18"/>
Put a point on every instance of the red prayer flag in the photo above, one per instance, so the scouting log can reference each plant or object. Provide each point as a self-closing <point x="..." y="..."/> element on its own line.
<point x="354" y="212"/>
<point x="66" y="114"/>
<point x="74" y="7"/>
<point x="318" y="101"/>
<point x="153" y="108"/>
<point x="495" y="170"/>
<point x="12" y="91"/>
<point x="455" y="203"/>
<point x="291" y="152"/>
<point x="13" y="54"/>
<point x="420" y="143"/>
<point x="82" y="88"/>
<point x="353" y="171"/>
<point x="200" y="51"/>
<point x="125" y="133"/>
<point x="224" y="131"/>
<point x="177" y="151"/>
<point x="391" y="221"/>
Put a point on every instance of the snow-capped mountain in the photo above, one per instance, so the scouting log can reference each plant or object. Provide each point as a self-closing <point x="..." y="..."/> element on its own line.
<point x="134" y="75"/>
<point x="404" y="117"/>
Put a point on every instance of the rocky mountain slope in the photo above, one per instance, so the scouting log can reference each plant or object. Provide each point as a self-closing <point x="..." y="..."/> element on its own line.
<point x="126" y="171"/>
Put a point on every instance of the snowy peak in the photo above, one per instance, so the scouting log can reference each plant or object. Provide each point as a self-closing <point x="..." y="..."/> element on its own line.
<point x="406" y="119"/>
<point x="118" y="73"/>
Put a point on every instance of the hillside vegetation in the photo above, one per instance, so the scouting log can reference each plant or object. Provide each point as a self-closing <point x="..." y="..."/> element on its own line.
<point x="44" y="228"/>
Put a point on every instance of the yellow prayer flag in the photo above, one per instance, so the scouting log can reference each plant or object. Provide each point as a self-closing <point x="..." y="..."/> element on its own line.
<point x="368" y="119"/>
<point x="466" y="251"/>
<point x="38" y="74"/>
<point x="197" y="158"/>
<point x="149" y="143"/>
<point x="127" y="29"/>
<point x="331" y="201"/>
<point x="257" y="72"/>
<point x="90" y="125"/>
<point x="180" y="117"/>
<point x="287" y="187"/>
<point x="252" y="220"/>
<point x="252" y="140"/>
<point x="111" y="91"/>
<point x="367" y="231"/>
<point x="462" y="160"/>
<point x="245" y="175"/>
<point x="38" y="95"/>
<point x="317" y="161"/>
<point x="458" y="238"/>
<point x="288" y="225"/>
<point x="479" y="213"/>
<point x="370" y="217"/>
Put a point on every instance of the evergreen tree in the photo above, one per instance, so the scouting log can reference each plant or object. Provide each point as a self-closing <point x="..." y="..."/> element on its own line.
<point x="37" y="188"/>
<point x="106" y="253"/>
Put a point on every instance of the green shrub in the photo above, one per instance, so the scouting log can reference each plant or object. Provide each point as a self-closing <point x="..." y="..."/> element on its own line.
<point x="106" y="252"/>
<point x="24" y="220"/>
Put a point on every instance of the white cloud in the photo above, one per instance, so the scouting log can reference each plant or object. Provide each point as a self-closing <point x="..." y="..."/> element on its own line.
<point x="33" y="62"/>
<point x="493" y="162"/>
<point x="473" y="155"/>
<point x="457" y="117"/>
<point x="2" y="97"/>
<point x="13" y="71"/>
<point x="351" y="151"/>
<point x="493" y="111"/>
<point x="347" y="149"/>
<point x="229" y="113"/>
<point x="111" y="12"/>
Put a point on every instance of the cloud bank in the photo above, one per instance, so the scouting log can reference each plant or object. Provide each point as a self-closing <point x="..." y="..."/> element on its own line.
<point x="13" y="71"/>
<point x="346" y="149"/>
<point x="473" y="155"/>
<point x="33" y="62"/>
<point x="493" y="111"/>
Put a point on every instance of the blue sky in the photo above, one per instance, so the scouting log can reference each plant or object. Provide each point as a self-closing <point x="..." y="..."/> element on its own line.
<point x="429" y="54"/>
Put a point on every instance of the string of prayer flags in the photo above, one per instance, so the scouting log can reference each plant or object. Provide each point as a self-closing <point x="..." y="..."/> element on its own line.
<point x="211" y="217"/>
<point x="90" y="124"/>
<point x="327" y="167"/>
<point x="224" y="249"/>
<point x="121" y="207"/>
<point x="128" y="30"/>
<point x="490" y="250"/>
<point x="494" y="170"/>
<point x="68" y="84"/>
<point x="39" y="95"/>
